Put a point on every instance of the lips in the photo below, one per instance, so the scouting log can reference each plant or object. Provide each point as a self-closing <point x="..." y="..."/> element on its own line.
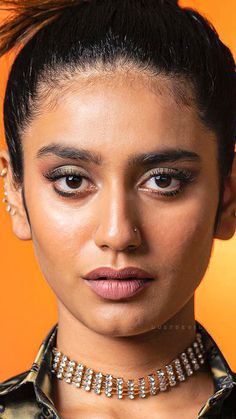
<point x="115" y="284"/>
<point x="110" y="273"/>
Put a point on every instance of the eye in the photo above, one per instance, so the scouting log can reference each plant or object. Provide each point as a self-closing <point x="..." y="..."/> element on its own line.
<point x="69" y="181"/>
<point x="164" y="181"/>
<point x="72" y="182"/>
<point x="167" y="181"/>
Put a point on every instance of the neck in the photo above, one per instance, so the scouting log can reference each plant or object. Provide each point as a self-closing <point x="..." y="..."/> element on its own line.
<point x="131" y="356"/>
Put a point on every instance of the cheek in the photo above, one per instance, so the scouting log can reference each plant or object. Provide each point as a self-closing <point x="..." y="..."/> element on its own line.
<point x="60" y="236"/>
<point x="182" y="234"/>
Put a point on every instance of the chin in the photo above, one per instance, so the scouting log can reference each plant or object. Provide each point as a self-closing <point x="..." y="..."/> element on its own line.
<point x="118" y="326"/>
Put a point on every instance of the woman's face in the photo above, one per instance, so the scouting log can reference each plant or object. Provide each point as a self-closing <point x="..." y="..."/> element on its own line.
<point x="92" y="226"/>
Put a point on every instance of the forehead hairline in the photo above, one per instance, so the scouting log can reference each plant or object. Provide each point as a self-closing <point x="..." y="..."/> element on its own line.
<point x="51" y="91"/>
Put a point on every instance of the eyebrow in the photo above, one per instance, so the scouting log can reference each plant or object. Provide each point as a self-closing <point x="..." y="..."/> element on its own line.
<point x="68" y="152"/>
<point x="142" y="159"/>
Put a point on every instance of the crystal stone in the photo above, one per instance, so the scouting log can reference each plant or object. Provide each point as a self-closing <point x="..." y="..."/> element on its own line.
<point x="142" y="385"/>
<point x="108" y="385"/>
<point x="130" y="385"/>
<point x="152" y="384"/>
<point x="88" y="379"/>
<point x="193" y="359"/>
<point x="162" y="380"/>
<point x="171" y="375"/>
<point x="119" y="387"/>
<point x="98" y="383"/>
<point x="179" y="370"/>
<point x="186" y="363"/>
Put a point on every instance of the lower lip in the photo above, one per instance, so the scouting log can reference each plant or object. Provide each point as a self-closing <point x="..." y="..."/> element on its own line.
<point x="116" y="289"/>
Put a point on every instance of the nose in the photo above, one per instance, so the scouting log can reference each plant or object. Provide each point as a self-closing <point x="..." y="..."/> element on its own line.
<point x="117" y="222"/>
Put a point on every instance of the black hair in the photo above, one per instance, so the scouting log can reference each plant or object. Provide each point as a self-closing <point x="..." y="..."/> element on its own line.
<point x="152" y="34"/>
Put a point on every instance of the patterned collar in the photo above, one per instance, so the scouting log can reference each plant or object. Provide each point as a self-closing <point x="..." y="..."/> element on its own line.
<point x="33" y="388"/>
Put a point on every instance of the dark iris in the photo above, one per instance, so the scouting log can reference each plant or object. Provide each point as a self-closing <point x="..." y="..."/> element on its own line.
<point x="163" y="180"/>
<point x="73" y="181"/>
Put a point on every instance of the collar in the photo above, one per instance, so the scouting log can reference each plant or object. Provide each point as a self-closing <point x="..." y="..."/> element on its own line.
<point x="224" y="378"/>
<point x="41" y="377"/>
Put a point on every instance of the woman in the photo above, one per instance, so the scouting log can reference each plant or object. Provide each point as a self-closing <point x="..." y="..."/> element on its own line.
<point x="119" y="120"/>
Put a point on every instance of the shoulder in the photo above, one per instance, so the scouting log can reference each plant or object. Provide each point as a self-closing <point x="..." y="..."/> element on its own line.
<point x="12" y="382"/>
<point x="16" y="387"/>
<point x="17" y="397"/>
<point x="27" y="394"/>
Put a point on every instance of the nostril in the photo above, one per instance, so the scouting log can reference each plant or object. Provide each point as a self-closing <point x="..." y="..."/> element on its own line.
<point x="132" y="246"/>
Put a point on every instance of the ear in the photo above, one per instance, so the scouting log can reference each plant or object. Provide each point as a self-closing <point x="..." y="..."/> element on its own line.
<point x="227" y="224"/>
<point x="13" y="199"/>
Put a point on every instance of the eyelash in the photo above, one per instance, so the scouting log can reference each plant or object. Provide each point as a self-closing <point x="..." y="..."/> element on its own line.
<point x="184" y="176"/>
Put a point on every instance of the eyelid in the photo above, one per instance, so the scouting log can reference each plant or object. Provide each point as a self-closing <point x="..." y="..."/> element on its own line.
<point x="64" y="171"/>
<point x="180" y="173"/>
<point x="184" y="176"/>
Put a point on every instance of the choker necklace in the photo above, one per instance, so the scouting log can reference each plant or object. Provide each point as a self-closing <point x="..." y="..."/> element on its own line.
<point x="162" y="379"/>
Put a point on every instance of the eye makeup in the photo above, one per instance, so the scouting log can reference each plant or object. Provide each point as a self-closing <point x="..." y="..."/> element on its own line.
<point x="67" y="181"/>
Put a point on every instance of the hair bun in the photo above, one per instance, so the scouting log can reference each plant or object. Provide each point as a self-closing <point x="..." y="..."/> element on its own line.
<point x="27" y="16"/>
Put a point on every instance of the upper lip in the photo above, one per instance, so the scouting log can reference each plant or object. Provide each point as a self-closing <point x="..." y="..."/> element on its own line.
<point x="128" y="272"/>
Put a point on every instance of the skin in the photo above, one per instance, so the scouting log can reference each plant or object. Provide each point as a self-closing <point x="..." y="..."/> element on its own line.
<point x="73" y="236"/>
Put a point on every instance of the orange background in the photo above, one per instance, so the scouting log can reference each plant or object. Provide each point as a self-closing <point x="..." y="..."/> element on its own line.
<point x="27" y="305"/>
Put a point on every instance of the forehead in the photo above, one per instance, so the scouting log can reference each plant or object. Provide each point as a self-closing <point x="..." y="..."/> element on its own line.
<point x="53" y="86"/>
<point x="118" y="113"/>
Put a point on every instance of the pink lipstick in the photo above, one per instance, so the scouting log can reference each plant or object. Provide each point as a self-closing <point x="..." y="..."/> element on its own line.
<point x="117" y="284"/>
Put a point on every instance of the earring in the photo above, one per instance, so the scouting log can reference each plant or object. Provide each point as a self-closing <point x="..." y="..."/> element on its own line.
<point x="3" y="172"/>
<point x="9" y="208"/>
<point x="135" y="229"/>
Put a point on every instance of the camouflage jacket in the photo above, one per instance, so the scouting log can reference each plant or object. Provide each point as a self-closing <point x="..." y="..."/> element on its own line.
<point x="29" y="394"/>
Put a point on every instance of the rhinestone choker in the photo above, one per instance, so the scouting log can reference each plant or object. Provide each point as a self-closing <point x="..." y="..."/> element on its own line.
<point x="176" y="371"/>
